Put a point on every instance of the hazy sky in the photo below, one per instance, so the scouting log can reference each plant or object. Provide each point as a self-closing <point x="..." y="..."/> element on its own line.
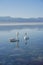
<point x="21" y="8"/>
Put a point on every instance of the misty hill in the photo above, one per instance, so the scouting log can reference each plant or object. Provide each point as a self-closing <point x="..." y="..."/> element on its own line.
<point x="11" y="19"/>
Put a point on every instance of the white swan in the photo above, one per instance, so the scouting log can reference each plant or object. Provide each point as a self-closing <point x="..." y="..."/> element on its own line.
<point x="15" y="39"/>
<point x="26" y="37"/>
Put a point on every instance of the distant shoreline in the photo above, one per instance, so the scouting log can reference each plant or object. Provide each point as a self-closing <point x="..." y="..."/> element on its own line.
<point x="15" y="24"/>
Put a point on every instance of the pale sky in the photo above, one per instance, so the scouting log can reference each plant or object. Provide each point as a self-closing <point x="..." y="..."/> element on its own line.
<point x="21" y="8"/>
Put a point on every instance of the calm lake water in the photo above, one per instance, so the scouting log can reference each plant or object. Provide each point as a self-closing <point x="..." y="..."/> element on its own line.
<point x="21" y="53"/>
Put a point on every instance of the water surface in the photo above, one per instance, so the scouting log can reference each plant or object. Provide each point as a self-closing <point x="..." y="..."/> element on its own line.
<point x="21" y="53"/>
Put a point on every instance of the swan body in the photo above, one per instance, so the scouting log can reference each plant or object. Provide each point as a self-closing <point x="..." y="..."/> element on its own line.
<point x="26" y="37"/>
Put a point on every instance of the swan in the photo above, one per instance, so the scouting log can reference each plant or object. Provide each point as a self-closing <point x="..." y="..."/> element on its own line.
<point x="15" y="39"/>
<point x="26" y="37"/>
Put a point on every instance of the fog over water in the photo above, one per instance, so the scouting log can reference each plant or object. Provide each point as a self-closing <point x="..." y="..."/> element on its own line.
<point x="10" y="24"/>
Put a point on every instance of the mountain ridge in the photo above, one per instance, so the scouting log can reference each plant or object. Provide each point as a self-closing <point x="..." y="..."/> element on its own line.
<point x="12" y="19"/>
